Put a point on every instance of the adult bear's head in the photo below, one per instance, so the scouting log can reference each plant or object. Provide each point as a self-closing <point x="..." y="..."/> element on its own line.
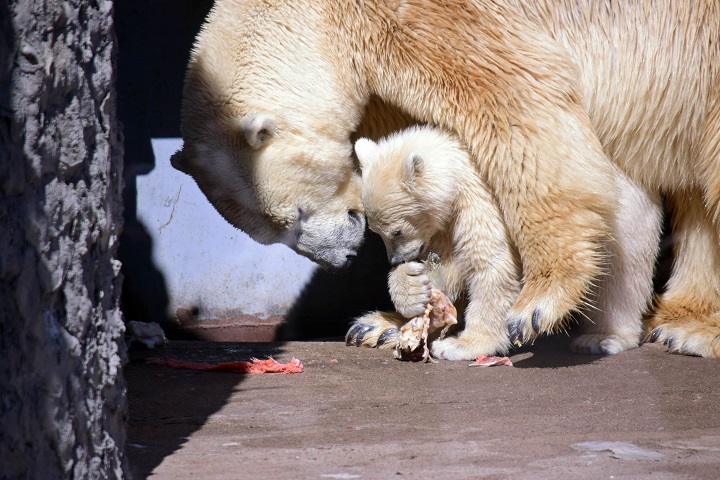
<point x="267" y="116"/>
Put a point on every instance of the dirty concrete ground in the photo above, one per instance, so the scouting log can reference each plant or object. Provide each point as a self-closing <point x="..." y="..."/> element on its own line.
<point x="357" y="413"/>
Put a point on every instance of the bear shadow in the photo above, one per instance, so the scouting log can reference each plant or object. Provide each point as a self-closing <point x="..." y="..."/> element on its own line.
<point x="552" y="351"/>
<point x="328" y="303"/>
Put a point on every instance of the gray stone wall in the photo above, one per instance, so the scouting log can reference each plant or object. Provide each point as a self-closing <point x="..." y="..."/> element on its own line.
<point x="62" y="394"/>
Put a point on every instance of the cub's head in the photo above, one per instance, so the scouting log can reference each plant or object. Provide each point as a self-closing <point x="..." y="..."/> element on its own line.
<point x="266" y="126"/>
<point x="409" y="184"/>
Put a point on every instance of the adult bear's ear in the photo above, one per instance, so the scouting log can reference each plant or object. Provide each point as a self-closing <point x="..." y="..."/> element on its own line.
<point x="258" y="128"/>
<point x="365" y="152"/>
<point x="180" y="161"/>
<point x="413" y="166"/>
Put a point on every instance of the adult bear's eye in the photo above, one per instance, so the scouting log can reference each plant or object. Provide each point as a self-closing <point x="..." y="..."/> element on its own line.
<point x="396" y="233"/>
<point x="355" y="216"/>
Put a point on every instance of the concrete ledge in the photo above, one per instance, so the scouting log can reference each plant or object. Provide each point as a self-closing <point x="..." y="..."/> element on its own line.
<point x="233" y="328"/>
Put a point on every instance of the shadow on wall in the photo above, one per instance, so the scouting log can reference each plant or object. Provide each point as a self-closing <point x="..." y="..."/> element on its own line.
<point x="329" y="302"/>
<point x="154" y="39"/>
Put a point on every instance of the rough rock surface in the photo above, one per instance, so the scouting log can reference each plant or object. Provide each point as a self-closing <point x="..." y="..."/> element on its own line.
<point x="63" y="406"/>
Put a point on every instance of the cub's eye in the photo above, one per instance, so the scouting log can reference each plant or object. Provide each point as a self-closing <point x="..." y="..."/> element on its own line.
<point x="396" y="233"/>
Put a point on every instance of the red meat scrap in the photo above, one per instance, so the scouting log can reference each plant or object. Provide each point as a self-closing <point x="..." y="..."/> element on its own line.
<point x="270" y="365"/>
<point x="489" y="361"/>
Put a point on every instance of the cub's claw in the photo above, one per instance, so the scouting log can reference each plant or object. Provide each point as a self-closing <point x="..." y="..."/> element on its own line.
<point x="361" y="334"/>
<point x="356" y="334"/>
<point x="352" y="334"/>
<point x="655" y="335"/>
<point x="390" y="335"/>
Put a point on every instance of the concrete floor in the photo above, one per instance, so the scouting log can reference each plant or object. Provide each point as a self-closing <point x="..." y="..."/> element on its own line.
<point x="359" y="414"/>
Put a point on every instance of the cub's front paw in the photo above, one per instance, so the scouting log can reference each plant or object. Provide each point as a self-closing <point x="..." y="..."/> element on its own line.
<point x="410" y="288"/>
<point x="459" y="348"/>
<point x="375" y="330"/>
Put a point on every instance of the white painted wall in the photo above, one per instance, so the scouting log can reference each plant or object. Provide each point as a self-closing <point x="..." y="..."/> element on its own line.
<point x="206" y="262"/>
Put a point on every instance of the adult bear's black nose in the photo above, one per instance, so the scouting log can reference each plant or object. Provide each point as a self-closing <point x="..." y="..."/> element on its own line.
<point x="395" y="261"/>
<point x="349" y="259"/>
<point x="342" y="267"/>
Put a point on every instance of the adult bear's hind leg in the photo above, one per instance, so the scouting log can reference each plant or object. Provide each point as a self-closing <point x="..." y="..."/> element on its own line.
<point x="614" y="322"/>
<point x="687" y="316"/>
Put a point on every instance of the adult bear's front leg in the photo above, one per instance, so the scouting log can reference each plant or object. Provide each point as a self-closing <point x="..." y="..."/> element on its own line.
<point x="562" y="256"/>
<point x="560" y="209"/>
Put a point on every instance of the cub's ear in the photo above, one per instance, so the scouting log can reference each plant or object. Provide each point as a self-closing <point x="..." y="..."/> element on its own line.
<point x="258" y="128"/>
<point x="365" y="150"/>
<point x="180" y="161"/>
<point x="413" y="166"/>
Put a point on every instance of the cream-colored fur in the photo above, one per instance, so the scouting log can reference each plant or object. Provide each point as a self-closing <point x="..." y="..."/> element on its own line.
<point x="661" y="125"/>
<point x="421" y="193"/>
<point x="448" y="209"/>
<point x="687" y="316"/>
<point x="546" y="96"/>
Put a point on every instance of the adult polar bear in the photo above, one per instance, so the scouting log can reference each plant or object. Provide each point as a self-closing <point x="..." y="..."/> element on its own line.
<point x="274" y="90"/>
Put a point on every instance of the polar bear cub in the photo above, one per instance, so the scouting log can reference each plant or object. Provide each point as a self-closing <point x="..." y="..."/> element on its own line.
<point x="422" y="194"/>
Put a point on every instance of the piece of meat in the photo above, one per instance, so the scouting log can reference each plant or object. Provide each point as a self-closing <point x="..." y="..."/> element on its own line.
<point x="413" y="339"/>
<point x="439" y="313"/>
<point x="270" y="365"/>
<point x="490" y="361"/>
